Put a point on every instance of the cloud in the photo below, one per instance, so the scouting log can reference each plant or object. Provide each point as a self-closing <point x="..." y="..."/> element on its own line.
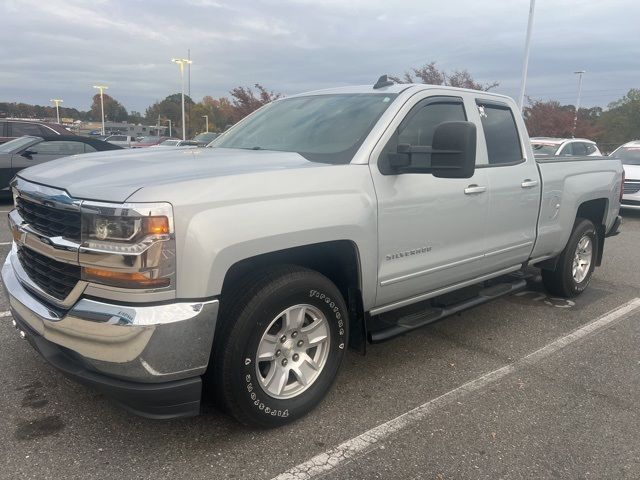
<point x="63" y="47"/>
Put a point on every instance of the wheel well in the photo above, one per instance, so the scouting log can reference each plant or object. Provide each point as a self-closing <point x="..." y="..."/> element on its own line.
<point x="337" y="260"/>
<point x="595" y="210"/>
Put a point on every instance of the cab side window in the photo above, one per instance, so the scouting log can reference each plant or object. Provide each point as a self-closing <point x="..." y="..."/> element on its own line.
<point x="500" y="133"/>
<point x="579" y="148"/>
<point x="61" y="148"/>
<point x="567" y="149"/>
<point x="421" y="122"/>
<point x="18" y="129"/>
<point x="591" y="148"/>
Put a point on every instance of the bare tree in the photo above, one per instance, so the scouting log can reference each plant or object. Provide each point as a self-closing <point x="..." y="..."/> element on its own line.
<point x="432" y="75"/>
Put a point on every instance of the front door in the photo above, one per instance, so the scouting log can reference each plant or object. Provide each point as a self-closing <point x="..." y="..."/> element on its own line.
<point x="431" y="231"/>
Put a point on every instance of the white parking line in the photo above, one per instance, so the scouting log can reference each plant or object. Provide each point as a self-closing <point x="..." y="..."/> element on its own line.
<point x="325" y="462"/>
<point x="5" y="243"/>
<point x="5" y="314"/>
<point x="5" y="211"/>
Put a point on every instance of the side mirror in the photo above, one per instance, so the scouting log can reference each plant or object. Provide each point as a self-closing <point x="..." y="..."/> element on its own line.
<point x="454" y="150"/>
<point x="29" y="153"/>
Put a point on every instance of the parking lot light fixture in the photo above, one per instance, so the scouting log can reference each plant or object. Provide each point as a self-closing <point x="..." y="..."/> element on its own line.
<point x="102" y="88"/>
<point x="575" y="118"/>
<point x="57" y="103"/>
<point x="181" y="63"/>
<point x="527" y="48"/>
<point x="206" y="119"/>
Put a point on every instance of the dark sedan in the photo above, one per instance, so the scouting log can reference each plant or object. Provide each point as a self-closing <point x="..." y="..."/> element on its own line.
<point x="30" y="150"/>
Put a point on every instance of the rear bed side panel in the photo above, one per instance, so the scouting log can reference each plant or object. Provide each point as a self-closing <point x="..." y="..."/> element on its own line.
<point x="565" y="186"/>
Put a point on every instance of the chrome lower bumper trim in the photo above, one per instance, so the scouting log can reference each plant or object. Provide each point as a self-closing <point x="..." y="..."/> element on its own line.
<point x="151" y="343"/>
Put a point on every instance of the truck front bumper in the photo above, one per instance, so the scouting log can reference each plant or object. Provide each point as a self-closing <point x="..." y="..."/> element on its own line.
<point x="149" y="358"/>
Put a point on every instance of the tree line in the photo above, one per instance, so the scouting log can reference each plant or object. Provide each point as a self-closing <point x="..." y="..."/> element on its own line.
<point x="612" y="126"/>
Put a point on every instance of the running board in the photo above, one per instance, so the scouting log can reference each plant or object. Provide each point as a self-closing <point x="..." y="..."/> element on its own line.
<point x="411" y="321"/>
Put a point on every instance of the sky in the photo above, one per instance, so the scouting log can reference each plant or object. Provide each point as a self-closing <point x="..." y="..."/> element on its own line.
<point x="61" y="48"/>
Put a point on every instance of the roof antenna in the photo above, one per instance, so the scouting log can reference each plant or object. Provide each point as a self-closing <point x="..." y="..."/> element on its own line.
<point x="383" y="81"/>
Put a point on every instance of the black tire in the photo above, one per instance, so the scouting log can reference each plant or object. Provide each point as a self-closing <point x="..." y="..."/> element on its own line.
<point x="560" y="282"/>
<point x="232" y="377"/>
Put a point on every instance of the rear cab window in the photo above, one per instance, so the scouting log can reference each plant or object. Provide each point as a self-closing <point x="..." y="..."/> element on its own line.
<point x="500" y="133"/>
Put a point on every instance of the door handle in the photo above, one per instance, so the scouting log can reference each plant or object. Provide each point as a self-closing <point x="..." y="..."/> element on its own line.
<point x="528" y="183"/>
<point x="473" y="189"/>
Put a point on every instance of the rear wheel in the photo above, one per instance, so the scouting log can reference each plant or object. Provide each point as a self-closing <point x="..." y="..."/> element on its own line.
<point x="279" y="347"/>
<point x="576" y="263"/>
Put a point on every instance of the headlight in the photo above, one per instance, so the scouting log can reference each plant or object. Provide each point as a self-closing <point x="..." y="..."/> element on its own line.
<point x="128" y="245"/>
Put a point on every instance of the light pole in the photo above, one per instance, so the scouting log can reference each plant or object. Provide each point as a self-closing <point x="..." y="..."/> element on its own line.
<point x="182" y="62"/>
<point x="169" y="120"/>
<point x="206" y="119"/>
<point x="575" y="118"/>
<point x="527" y="46"/>
<point x="102" y="88"/>
<point x="57" y="102"/>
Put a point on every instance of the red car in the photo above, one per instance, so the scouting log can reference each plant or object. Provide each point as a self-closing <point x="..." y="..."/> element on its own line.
<point x="10" y="129"/>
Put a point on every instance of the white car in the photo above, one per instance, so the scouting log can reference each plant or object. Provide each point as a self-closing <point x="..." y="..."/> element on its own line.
<point x="629" y="153"/>
<point x="124" y="141"/>
<point x="545" y="146"/>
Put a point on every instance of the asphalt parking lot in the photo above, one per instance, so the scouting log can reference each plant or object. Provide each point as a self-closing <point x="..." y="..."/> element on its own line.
<point x="572" y="411"/>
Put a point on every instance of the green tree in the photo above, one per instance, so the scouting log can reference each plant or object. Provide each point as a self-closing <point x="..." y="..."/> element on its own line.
<point x="620" y="123"/>
<point x="113" y="110"/>
<point x="169" y="109"/>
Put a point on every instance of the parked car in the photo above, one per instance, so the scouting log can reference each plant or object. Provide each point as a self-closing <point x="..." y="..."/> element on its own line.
<point x="10" y="129"/>
<point x="124" y="141"/>
<point x="580" y="147"/>
<point x="176" y="142"/>
<point x="321" y="221"/>
<point x="29" y="150"/>
<point x="149" y="141"/>
<point x="629" y="154"/>
<point x="205" y="138"/>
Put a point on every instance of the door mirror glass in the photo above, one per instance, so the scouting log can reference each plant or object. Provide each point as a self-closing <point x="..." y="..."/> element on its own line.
<point x="454" y="150"/>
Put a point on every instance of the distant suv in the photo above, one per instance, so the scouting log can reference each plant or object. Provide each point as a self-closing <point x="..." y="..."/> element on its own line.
<point x="581" y="147"/>
<point x="10" y="129"/>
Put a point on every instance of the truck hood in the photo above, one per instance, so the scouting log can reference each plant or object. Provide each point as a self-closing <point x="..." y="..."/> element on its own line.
<point x="632" y="172"/>
<point x="115" y="175"/>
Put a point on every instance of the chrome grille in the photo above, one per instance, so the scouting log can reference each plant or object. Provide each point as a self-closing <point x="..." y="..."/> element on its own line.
<point x="631" y="187"/>
<point x="52" y="222"/>
<point x="55" y="278"/>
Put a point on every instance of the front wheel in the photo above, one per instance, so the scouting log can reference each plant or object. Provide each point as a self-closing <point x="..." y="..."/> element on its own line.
<point x="280" y="346"/>
<point x="576" y="263"/>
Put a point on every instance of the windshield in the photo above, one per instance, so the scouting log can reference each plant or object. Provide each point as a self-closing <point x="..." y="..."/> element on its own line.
<point x="544" y="148"/>
<point x="628" y="155"/>
<point x="321" y="128"/>
<point x="205" y="137"/>
<point x="16" y="144"/>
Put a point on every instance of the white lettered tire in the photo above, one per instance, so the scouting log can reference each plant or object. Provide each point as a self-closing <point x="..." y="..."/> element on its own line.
<point x="277" y="352"/>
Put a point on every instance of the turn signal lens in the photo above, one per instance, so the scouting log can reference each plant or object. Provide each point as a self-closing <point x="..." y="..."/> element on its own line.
<point x="156" y="225"/>
<point x="123" y="279"/>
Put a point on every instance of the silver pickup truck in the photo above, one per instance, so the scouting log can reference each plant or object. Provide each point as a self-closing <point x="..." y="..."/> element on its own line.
<point x="327" y="220"/>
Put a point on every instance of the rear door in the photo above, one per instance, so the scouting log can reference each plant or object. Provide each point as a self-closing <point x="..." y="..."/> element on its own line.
<point x="513" y="184"/>
<point x="431" y="231"/>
